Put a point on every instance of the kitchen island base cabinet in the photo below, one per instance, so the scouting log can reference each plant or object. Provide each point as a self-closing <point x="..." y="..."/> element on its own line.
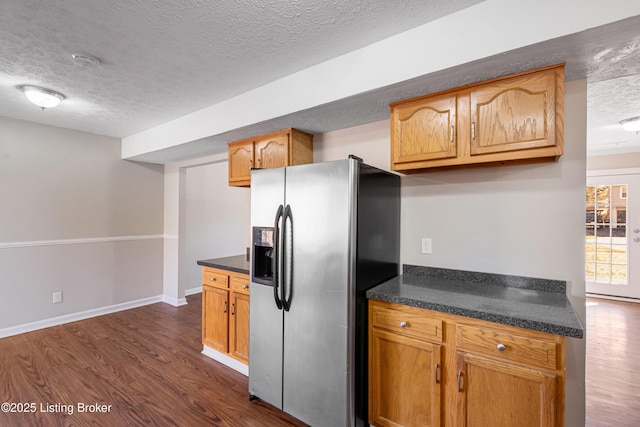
<point x="225" y="313"/>
<point x="461" y="372"/>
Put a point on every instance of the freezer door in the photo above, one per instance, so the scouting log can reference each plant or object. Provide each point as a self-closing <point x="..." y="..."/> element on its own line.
<point x="265" y="319"/>
<point x="317" y="373"/>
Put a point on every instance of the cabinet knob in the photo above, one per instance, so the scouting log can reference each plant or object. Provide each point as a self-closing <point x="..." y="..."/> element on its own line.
<point x="213" y="279"/>
<point x="403" y="324"/>
<point x="245" y="286"/>
<point x="501" y="347"/>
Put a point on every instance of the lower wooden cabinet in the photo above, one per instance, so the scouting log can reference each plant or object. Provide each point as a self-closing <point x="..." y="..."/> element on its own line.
<point x="225" y="312"/>
<point x="429" y="369"/>
<point x="495" y="393"/>
<point x="239" y="319"/>
<point x="215" y="320"/>
<point x="408" y="371"/>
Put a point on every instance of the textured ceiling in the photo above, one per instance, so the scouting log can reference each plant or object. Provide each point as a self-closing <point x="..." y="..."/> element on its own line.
<point x="609" y="102"/>
<point x="607" y="56"/>
<point x="162" y="60"/>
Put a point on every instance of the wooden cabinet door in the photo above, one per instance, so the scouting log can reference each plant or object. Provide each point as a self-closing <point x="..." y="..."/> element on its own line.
<point x="494" y="393"/>
<point x="215" y="318"/>
<point x="424" y="129"/>
<point x="272" y="151"/>
<point x="239" y="327"/>
<point x="514" y="114"/>
<point x="404" y="380"/>
<point x="240" y="162"/>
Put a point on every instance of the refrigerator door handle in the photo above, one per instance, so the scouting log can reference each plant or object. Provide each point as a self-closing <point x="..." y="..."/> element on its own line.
<point x="275" y="261"/>
<point x="287" y="288"/>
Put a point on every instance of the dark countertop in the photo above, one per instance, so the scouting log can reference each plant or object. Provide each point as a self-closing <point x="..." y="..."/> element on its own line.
<point x="536" y="304"/>
<point x="237" y="263"/>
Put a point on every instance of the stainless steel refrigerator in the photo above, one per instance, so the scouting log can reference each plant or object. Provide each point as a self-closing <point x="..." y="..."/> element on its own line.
<point x="322" y="234"/>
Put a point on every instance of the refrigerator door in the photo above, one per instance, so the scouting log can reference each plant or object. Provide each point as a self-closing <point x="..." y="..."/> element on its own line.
<point x="265" y="318"/>
<point x="319" y="264"/>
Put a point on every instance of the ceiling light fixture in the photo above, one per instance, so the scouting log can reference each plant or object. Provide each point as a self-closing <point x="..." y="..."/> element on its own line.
<point x="632" y="124"/>
<point x="85" y="60"/>
<point x="43" y="98"/>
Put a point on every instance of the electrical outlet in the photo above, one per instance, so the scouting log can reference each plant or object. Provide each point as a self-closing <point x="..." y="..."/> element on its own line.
<point x="57" y="297"/>
<point x="426" y="245"/>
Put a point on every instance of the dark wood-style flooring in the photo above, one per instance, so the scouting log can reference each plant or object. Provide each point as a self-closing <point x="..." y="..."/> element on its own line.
<point x="145" y="363"/>
<point x="613" y="364"/>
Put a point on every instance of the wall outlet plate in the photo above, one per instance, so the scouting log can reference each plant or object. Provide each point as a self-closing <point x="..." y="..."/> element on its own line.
<point x="57" y="297"/>
<point x="426" y="245"/>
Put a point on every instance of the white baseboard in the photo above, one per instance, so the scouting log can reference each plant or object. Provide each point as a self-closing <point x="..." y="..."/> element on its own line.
<point x="226" y="360"/>
<point x="193" y="291"/>
<point x="176" y="302"/>
<point x="612" y="297"/>
<point x="73" y="317"/>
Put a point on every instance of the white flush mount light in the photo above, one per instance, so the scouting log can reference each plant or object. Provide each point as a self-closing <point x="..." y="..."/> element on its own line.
<point x="43" y="98"/>
<point x="632" y="124"/>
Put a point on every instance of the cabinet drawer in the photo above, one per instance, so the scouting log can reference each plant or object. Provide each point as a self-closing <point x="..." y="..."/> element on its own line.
<point x="515" y="347"/>
<point x="214" y="278"/>
<point x="405" y="320"/>
<point x="240" y="284"/>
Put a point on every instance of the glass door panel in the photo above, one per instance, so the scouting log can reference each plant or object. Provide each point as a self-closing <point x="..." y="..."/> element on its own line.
<point x="610" y="252"/>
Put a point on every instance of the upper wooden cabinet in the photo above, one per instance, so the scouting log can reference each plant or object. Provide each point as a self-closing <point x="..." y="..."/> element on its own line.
<point x="511" y="119"/>
<point x="287" y="147"/>
<point x="425" y="129"/>
<point x="240" y="162"/>
<point x="515" y="114"/>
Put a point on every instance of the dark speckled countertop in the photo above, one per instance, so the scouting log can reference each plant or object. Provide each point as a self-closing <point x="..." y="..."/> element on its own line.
<point x="237" y="263"/>
<point x="531" y="303"/>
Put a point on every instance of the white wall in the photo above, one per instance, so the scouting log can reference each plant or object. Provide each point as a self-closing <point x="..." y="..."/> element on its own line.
<point x="522" y="220"/>
<point x="75" y="218"/>
<point x="217" y="219"/>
